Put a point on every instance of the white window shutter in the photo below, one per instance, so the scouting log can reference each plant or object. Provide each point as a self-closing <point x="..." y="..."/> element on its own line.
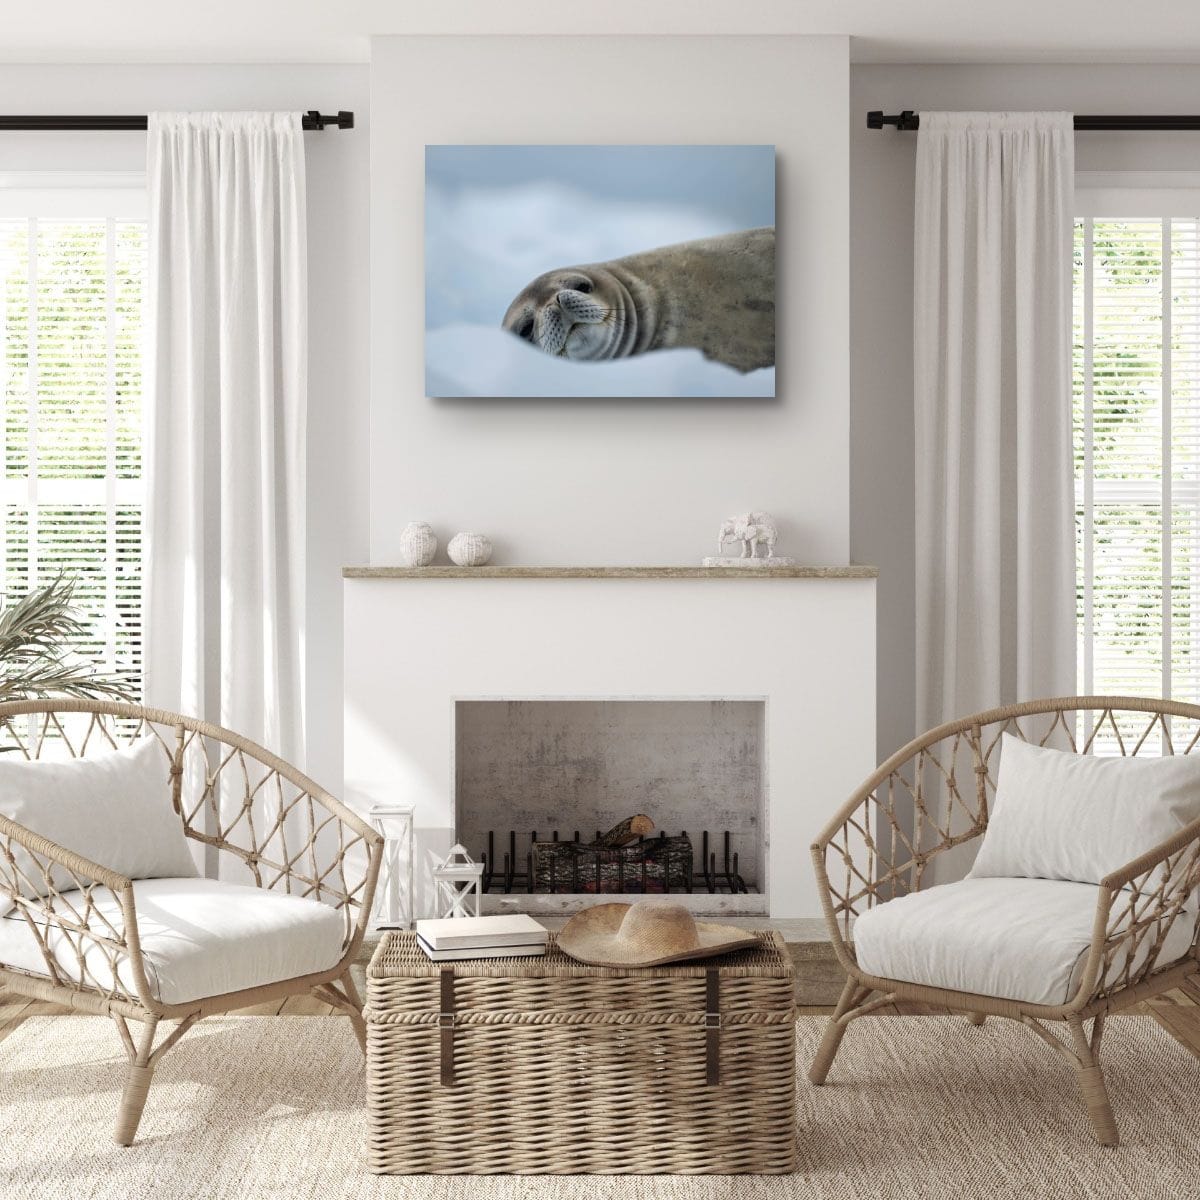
<point x="1137" y="441"/>
<point x="72" y="303"/>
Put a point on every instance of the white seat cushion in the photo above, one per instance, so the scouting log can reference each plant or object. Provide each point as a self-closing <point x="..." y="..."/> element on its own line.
<point x="1015" y="939"/>
<point x="199" y="937"/>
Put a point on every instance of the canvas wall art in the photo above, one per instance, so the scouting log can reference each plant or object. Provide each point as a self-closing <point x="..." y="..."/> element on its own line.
<point x="569" y="271"/>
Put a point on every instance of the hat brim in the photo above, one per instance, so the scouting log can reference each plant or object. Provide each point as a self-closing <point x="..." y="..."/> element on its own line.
<point x="591" y="937"/>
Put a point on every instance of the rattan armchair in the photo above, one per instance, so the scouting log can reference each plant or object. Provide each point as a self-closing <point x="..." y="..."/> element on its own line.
<point x="933" y="796"/>
<point x="263" y="824"/>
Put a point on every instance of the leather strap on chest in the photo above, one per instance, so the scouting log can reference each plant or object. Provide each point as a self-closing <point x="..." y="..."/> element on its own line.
<point x="712" y="1027"/>
<point x="446" y="1026"/>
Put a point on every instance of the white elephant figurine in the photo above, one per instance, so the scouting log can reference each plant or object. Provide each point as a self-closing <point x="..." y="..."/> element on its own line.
<point x="754" y="529"/>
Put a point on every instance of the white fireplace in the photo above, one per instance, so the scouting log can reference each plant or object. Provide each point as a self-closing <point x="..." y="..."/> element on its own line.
<point x="517" y="702"/>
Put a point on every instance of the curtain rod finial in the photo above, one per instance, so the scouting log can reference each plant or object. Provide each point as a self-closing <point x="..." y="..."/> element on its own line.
<point x="906" y="120"/>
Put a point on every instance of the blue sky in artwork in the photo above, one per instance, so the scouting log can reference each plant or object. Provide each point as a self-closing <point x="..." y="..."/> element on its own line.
<point x="497" y="216"/>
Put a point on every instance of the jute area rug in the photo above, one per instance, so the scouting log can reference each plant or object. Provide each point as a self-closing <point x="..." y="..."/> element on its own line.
<point x="255" y="1107"/>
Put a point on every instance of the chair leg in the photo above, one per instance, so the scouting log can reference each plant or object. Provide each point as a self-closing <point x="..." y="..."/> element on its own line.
<point x="347" y="999"/>
<point x="1091" y="1081"/>
<point x="133" y="1101"/>
<point x="834" y="1032"/>
<point x="143" y="1058"/>
<point x="355" y="1015"/>
<point x="138" y="1075"/>
<point x="976" y="1018"/>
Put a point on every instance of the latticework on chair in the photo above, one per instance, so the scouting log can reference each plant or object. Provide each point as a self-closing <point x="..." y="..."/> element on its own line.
<point x="934" y="796"/>
<point x="263" y="822"/>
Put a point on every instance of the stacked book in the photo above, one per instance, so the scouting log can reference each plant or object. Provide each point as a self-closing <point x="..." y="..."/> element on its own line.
<point x="453" y="938"/>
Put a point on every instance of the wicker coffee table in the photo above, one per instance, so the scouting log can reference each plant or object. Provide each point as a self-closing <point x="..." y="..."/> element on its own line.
<point x="548" y="1066"/>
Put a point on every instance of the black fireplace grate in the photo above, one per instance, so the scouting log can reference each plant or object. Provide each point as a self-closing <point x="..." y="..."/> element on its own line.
<point x="654" y="865"/>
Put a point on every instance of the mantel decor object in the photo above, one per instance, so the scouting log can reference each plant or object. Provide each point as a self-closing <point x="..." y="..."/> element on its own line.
<point x="749" y="531"/>
<point x="469" y="550"/>
<point x="394" y="893"/>
<point x="418" y="544"/>
<point x="458" y="878"/>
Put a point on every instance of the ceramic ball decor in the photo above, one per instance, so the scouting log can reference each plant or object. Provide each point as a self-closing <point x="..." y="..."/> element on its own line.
<point x="418" y="544"/>
<point x="469" y="549"/>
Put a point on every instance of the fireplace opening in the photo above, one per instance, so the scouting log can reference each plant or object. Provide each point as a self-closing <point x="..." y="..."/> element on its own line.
<point x="574" y="802"/>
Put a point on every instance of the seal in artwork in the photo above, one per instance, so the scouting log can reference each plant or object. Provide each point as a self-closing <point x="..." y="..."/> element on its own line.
<point x="715" y="295"/>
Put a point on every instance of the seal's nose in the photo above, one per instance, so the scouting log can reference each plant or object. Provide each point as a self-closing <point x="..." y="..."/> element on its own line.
<point x="579" y="307"/>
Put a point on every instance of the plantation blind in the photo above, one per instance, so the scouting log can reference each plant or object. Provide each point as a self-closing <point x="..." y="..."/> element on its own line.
<point x="1137" y="447"/>
<point x="72" y="305"/>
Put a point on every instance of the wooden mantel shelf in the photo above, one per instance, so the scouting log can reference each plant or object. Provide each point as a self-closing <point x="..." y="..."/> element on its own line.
<point x="848" y="572"/>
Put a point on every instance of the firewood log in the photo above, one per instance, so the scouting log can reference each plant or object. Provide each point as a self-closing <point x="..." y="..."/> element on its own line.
<point x="629" y="830"/>
<point x="571" y="866"/>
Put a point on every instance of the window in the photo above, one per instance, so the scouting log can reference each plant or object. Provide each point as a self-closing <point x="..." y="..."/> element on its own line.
<point x="72" y="290"/>
<point x="1137" y="440"/>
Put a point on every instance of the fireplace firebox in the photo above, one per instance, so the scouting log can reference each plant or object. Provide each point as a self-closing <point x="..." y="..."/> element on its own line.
<point x="531" y="776"/>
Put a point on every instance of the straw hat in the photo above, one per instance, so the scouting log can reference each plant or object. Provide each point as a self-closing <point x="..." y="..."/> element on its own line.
<point x="646" y="934"/>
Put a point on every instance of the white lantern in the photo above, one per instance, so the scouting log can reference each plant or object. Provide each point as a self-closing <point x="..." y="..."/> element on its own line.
<point x="394" y="895"/>
<point x="459" y="882"/>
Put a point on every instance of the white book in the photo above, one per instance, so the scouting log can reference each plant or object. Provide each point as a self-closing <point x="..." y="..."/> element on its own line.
<point x="529" y="950"/>
<point x="472" y="933"/>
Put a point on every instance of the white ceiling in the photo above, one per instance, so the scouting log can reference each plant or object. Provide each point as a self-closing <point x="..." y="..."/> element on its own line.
<point x="884" y="31"/>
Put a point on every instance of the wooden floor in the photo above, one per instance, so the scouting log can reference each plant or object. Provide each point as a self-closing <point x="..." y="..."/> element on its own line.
<point x="1178" y="1012"/>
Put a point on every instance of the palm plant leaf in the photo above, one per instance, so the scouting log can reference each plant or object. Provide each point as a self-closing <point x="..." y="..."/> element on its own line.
<point x="37" y="632"/>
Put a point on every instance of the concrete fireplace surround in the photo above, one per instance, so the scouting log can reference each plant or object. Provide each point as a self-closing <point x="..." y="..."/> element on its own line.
<point x="419" y="642"/>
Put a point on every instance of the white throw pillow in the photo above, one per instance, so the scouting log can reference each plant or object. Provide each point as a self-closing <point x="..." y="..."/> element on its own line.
<point x="114" y="809"/>
<point x="1060" y="815"/>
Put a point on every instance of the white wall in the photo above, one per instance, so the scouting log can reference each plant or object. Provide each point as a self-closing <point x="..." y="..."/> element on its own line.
<point x="608" y="482"/>
<point x="338" y="262"/>
<point x="881" y="177"/>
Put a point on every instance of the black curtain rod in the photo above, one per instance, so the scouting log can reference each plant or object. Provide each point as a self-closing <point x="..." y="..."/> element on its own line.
<point x="311" y="120"/>
<point x="908" y="120"/>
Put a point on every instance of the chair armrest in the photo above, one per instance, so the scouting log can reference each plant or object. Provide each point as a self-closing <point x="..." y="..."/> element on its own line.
<point x="358" y="881"/>
<point x="1139" y="905"/>
<point x="1180" y="841"/>
<point x="40" y="847"/>
<point x="283" y="829"/>
<point x="925" y="800"/>
<point x="103" y="951"/>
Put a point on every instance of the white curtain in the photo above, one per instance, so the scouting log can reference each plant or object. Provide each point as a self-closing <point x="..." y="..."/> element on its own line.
<point x="995" y="541"/>
<point x="226" y="453"/>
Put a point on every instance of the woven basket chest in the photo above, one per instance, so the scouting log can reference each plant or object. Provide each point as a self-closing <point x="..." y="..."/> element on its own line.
<point x="548" y="1066"/>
